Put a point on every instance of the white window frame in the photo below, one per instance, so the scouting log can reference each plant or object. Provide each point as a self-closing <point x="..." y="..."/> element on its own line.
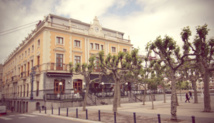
<point x="75" y="43"/>
<point x="112" y="49"/>
<point x="75" y="59"/>
<point x="63" y="40"/>
<point x="92" y="44"/>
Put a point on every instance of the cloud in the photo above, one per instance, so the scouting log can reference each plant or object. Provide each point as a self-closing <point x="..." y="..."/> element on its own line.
<point x="143" y="20"/>
<point x="83" y="10"/>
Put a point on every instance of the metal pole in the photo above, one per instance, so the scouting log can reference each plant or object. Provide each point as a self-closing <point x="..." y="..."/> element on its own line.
<point x="99" y="115"/>
<point x="86" y="114"/>
<point x="115" y="120"/>
<point x="52" y="110"/>
<point x="134" y="114"/>
<point x="193" y="119"/>
<point x="45" y="110"/>
<point x="32" y="73"/>
<point x="77" y="113"/>
<point x="59" y="111"/>
<point x="159" y="119"/>
<point x="67" y="112"/>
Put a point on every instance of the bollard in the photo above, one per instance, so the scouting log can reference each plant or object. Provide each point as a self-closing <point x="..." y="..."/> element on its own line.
<point x="99" y="115"/>
<point x="67" y="112"/>
<point x="77" y="113"/>
<point x="193" y="119"/>
<point x="86" y="114"/>
<point x="59" y="111"/>
<point x="45" y="110"/>
<point x="115" y="120"/>
<point x="159" y="119"/>
<point x="134" y="115"/>
<point x="52" y="110"/>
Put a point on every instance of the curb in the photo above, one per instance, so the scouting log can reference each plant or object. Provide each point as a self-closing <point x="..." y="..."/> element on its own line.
<point x="68" y="118"/>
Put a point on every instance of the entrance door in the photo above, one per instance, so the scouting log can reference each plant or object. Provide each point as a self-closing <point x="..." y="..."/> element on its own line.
<point x="59" y="61"/>
<point x="59" y="88"/>
<point x="77" y="84"/>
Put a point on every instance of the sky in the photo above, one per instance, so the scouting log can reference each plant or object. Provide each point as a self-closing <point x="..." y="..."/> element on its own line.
<point x="142" y="20"/>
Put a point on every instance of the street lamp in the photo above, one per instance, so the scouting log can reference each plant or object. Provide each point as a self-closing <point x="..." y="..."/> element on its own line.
<point x="102" y="83"/>
<point x="60" y="88"/>
<point x="126" y="87"/>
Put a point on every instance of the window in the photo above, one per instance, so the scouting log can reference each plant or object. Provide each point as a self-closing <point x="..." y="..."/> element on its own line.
<point x="28" y="51"/>
<point x="37" y="88"/>
<point x="32" y="48"/>
<point x="25" y="53"/>
<point x="76" y="43"/>
<point x="113" y="49"/>
<point x="59" y="40"/>
<point x="24" y="91"/>
<point x="101" y="47"/>
<point x="38" y="60"/>
<point x="22" y="55"/>
<point x="124" y="50"/>
<point x="59" y="86"/>
<point x="97" y="46"/>
<point x="91" y="45"/>
<point x="38" y="43"/>
<point x="59" y="61"/>
<point x="27" y="89"/>
<point x="77" y="59"/>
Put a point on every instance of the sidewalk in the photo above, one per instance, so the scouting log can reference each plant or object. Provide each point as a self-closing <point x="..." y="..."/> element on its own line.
<point x="145" y="113"/>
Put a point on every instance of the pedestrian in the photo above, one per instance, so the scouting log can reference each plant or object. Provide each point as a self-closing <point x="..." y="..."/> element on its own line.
<point x="187" y="98"/>
<point x="190" y="94"/>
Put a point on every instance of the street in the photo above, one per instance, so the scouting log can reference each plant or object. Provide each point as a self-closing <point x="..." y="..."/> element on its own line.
<point x="33" y="118"/>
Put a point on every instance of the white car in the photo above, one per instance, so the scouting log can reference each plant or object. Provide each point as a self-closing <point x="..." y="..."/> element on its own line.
<point x="3" y="109"/>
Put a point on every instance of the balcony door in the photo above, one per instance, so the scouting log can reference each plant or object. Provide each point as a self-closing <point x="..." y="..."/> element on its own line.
<point x="77" y="85"/>
<point x="59" y="87"/>
<point x="59" y="61"/>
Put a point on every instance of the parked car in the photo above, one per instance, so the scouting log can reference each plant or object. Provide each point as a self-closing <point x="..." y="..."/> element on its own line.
<point x="3" y="109"/>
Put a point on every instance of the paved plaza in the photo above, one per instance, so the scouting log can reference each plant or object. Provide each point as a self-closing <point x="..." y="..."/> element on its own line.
<point x="144" y="113"/>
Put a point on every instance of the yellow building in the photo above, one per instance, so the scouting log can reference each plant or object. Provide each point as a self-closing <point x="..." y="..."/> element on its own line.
<point x="39" y="66"/>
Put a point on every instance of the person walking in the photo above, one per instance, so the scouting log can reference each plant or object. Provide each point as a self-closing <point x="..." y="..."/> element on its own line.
<point x="190" y="94"/>
<point x="187" y="98"/>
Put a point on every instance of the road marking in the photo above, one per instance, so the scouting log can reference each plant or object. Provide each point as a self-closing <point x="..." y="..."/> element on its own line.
<point x="28" y="115"/>
<point x="21" y="117"/>
<point x="5" y="118"/>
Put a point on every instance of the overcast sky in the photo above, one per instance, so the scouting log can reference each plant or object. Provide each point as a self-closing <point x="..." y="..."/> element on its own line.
<point x="142" y="20"/>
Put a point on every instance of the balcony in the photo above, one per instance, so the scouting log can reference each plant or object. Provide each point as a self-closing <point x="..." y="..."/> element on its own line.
<point x="52" y="67"/>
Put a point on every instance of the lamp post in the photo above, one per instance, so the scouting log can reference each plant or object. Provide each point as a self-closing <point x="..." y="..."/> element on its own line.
<point x="60" y="92"/>
<point x="102" y="83"/>
<point x="126" y="87"/>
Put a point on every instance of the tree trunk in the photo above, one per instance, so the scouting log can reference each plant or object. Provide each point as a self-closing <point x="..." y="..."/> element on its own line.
<point x="173" y="98"/>
<point x="177" y="100"/>
<point x="164" y="95"/>
<point x="206" y="79"/>
<point x="115" y="101"/>
<point x="85" y="97"/>
<point x="152" y="100"/>
<point x="144" y="96"/>
<point x="195" y="91"/>
<point x="119" y="96"/>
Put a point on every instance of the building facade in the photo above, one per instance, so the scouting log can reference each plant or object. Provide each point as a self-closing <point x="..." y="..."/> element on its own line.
<point x="40" y="64"/>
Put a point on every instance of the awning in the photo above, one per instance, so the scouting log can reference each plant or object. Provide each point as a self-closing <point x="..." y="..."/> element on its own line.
<point x="54" y="74"/>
